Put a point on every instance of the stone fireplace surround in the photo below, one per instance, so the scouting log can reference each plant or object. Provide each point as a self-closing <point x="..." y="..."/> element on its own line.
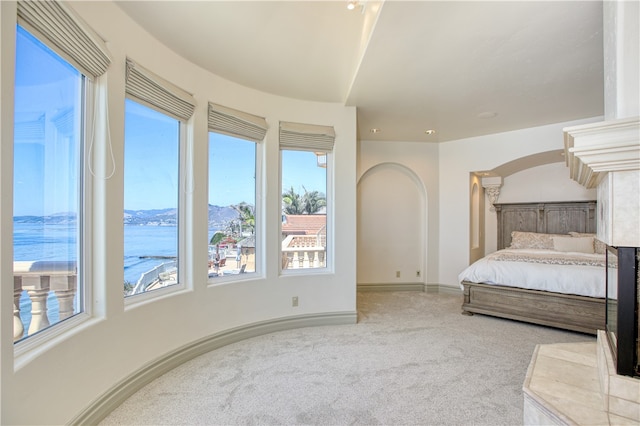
<point x="576" y="383"/>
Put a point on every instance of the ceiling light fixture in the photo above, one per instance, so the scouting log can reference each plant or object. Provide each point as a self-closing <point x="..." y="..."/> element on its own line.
<point x="429" y="132"/>
<point x="352" y="5"/>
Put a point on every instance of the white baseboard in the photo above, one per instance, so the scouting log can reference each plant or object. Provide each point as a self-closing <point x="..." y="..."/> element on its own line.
<point x="118" y="393"/>
<point x="391" y="287"/>
<point x="428" y="288"/>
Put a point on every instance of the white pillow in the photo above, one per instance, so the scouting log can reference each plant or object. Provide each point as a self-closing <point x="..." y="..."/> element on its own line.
<point x="573" y="244"/>
<point x="598" y="246"/>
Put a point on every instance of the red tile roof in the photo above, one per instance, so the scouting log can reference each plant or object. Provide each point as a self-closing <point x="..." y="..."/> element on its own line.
<point x="303" y="224"/>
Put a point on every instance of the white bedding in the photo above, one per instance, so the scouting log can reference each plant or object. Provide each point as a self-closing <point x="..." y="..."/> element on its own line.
<point x="582" y="279"/>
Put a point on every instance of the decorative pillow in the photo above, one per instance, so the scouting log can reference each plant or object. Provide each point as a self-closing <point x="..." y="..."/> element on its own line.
<point x="599" y="246"/>
<point x="573" y="244"/>
<point x="532" y="240"/>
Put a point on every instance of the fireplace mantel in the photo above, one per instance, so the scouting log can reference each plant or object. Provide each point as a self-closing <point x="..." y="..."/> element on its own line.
<point x="593" y="149"/>
<point x="607" y="155"/>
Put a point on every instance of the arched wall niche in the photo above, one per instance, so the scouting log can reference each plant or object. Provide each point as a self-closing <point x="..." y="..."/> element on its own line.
<point x="543" y="176"/>
<point x="392" y="228"/>
<point x="476" y="218"/>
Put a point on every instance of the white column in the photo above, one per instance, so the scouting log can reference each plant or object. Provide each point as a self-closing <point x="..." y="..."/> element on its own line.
<point x="18" y="327"/>
<point x="37" y="288"/>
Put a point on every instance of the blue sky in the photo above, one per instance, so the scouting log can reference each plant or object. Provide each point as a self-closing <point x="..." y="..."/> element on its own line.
<point x="46" y="85"/>
<point x="44" y="168"/>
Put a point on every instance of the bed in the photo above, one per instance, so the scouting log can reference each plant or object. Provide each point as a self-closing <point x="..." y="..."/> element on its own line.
<point x="543" y="271"/>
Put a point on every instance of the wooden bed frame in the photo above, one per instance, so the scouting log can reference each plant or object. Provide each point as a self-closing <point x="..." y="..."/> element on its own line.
<point x="569" y="312"/>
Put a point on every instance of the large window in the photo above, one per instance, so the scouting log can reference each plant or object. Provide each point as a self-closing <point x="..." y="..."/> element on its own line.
<point x="151" y="199"/>
<point x="58" y="64"/>
<point x="305" y="159"/>
<point x="232" y="202"/>
<point x="234" y="139"/>
<point x="156" y="113"/>
<point x="48" y="182"/>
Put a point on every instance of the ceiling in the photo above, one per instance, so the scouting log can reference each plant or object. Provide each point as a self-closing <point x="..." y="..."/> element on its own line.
<point x="462" y="69"/>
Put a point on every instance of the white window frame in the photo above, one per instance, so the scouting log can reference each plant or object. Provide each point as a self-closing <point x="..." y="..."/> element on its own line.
<point x="329" y="254"/>
<point x="183" y="170"/>
<point x="85" y="243"/>
<point x="242" y="125"/>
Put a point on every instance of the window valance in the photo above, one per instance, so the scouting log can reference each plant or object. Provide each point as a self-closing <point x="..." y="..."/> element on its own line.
<point x="70" y="36"/>
<point x="236" y="123"/>
<point x="307" y="137"/>
<point x="147" y="87"/>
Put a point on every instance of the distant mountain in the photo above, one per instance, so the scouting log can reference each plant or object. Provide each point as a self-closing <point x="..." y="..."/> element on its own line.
<point x="55" y="219"/>
<point x="219" y="217"/>
<point x="158" y="217"/>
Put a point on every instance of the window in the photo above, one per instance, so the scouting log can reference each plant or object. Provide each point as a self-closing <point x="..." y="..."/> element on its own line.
<point x="47" y="215"/>
<point x="155" y="117"/>
<point x="305" y="154"/>
<point x="151" y="199"/>
<point x="234" y="138"/>
<point x="232" y="201"/>
<point x="57" y="62"/>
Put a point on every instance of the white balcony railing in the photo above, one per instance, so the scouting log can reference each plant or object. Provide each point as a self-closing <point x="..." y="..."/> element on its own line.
<point x="302" y="252"/>
<point x="39" y="279"/>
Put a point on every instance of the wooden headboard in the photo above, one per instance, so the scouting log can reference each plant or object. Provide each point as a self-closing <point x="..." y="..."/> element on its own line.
<point x="547" y="218"/>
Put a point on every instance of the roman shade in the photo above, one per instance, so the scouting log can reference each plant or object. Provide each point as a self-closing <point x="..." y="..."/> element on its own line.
<point x="306" y="137"/>
<point x="236" y="123"/>
<point x="71" y="37"/>
<point x="148" y="88"/>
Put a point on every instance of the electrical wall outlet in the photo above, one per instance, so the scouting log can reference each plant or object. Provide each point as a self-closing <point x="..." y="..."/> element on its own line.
<point x="397" y="274"/>
<point x="418" y="274"/>
<point x="294" y="301"/>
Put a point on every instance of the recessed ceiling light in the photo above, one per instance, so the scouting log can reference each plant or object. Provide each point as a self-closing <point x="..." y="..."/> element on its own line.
<point x="487" y="114"/>
<point x="375" y="130"/>
<point x="352" y="5"/>
<point x="430" y="132"/>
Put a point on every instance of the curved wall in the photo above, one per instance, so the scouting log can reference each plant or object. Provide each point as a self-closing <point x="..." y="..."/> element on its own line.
<point x="52" y="382"/>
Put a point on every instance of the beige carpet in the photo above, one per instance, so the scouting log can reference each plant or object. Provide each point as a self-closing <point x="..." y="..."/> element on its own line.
<point x="412" y="359"/>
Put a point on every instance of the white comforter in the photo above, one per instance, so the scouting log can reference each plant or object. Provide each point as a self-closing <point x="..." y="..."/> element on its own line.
<point x="584" y="275"/>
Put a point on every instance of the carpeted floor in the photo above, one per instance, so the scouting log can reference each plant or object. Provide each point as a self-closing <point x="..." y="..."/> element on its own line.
<point x="412" y="359"/>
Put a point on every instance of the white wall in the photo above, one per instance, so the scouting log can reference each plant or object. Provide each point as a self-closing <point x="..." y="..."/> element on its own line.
<point x="549" y="182"/>
<point x="621" y="27"/>
<point x="459" y="158"/>
<point x="397" y="161"/>
<point x="51" y="383"/>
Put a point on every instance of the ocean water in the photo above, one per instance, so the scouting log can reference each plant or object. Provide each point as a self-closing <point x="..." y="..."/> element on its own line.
<point x="145" y="247"/>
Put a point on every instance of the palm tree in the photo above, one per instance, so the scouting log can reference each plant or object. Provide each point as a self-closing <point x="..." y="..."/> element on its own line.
<point x="246" y="216"/>
<point x="292" y="202"/>
<point x="313" y="201"/>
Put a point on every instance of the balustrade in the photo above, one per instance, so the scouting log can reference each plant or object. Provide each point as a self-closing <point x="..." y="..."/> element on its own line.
<point x="38" y="279"/>
<point x="302" y="252"/>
